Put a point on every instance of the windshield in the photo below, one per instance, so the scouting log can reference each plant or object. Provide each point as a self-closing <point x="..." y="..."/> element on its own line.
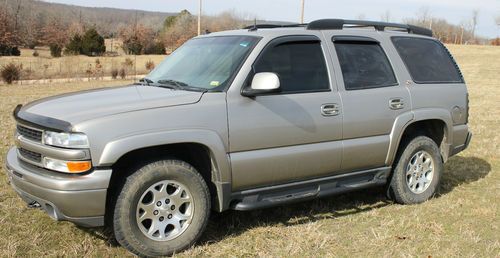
<point x="207" y="63"/>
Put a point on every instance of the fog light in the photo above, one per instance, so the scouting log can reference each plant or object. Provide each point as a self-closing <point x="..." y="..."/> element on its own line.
<point x="67" y="166"/>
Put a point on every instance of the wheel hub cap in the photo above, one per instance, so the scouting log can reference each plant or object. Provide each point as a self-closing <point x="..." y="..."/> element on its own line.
<point x="164" y="210"/>
<point x="419" y="172"/>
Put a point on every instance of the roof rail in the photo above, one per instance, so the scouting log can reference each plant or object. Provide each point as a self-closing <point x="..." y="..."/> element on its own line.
<point x="272" y="26"/>
<point x="338" y="24"/>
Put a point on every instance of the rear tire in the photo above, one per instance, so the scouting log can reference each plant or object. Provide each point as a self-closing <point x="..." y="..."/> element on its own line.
<point x="417" y="173"/>
<point x="162" y="209"/>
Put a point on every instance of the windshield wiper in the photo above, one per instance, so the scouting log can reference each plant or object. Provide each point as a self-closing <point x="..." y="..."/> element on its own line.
<point x="173" y="82"/>
<point x="145" y="81"/>
<point x="181" y="85"/>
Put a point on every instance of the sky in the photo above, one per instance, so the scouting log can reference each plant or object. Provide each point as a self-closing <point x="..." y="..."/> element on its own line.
<point x="455" y="11"/>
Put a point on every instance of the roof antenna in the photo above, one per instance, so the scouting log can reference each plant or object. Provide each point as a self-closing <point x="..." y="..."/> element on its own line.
<point x="254" y="28"/>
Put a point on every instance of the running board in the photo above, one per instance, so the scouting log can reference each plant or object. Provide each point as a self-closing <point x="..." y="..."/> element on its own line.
<point x="307" y="190"/>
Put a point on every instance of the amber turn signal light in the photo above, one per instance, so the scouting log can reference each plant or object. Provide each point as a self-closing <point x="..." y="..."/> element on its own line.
<point x="78" y="166"/>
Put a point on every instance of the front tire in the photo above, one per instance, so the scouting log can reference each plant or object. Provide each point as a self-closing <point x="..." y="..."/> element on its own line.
<point x="417" y="173"/>
<point x="162" y="209"/>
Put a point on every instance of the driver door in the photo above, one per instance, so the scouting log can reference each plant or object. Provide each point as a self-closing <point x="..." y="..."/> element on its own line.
<point x="286" y="136"/>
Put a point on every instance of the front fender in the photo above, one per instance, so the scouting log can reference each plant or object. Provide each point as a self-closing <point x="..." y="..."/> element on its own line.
<point x="119" y="147"/>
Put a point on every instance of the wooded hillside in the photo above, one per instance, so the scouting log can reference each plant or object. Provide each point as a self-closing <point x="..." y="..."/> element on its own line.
<point x="106" y="20"/>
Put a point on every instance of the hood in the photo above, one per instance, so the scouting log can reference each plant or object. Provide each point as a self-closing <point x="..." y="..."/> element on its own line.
<point x="85" y="105"/>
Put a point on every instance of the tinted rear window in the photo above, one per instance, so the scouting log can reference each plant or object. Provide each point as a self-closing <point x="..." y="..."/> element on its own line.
<point x="364" y="65"/>
<point x="427" y="60"/>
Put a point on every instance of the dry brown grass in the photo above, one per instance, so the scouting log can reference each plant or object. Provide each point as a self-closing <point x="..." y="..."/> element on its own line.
<point x="46" y="67"/>
<point x="462" y="221"/>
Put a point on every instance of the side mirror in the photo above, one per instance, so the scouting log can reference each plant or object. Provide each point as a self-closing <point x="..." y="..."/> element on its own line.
<point x="262" y="83"/>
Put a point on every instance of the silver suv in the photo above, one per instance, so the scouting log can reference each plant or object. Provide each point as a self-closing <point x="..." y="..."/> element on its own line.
<point x="246" y="119"/>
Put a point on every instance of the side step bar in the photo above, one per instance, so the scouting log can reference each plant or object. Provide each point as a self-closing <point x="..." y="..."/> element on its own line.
<point x="307" y="190"/>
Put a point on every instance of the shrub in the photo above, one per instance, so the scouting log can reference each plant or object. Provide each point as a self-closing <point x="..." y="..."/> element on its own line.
<point x="89" y="71"/>
<point x="128" y="62"/>
<point x="55" y="50"/>
<point x="136" y="38"/>
<point x="15" y="51"/>
<point x="35" y="53"/>
<point x="132" y="47"/>
<point x="123" y="73"/>
<point x="9" y="51"/>
<point x="156" y="48"/>
<point x="4" y="50"/>
<point x="74" y="46"/>
<point x="150" y="65"/>
<point x="10" y="73"/>
<point x="90" y="44"/>
<point x="98" y="67"/>
<point x="114" y="73"/>
<point x="27" y="73"/>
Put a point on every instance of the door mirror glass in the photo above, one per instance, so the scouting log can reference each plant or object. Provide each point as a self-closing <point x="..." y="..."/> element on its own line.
<point x="262" y="83"/>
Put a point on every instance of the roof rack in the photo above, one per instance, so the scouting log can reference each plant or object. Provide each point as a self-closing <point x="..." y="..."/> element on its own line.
<point x="273" y="26"/>
<point x="338" y="24"/>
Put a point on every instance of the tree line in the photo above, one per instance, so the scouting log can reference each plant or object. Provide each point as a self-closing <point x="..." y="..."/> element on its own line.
<point x="82" y="36"/>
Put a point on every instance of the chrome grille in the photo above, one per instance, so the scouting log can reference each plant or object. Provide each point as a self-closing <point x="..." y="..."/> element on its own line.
<point x="30" y="155"/>
<point x="29" y="133"/>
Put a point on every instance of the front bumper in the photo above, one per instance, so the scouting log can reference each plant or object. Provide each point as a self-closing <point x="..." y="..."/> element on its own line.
<point x="80" y="199"/>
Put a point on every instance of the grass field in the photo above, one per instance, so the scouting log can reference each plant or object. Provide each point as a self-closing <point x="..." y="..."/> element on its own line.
<point x="464" y="220"/>
<point x="46" y="67"/>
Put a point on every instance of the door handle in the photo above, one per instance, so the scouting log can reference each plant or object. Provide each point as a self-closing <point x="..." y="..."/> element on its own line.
<point x="396" y="103"/>
<point x="330" y="109"/>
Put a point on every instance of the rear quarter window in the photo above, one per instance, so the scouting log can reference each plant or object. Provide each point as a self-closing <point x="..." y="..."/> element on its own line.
<point x="427" y="60"/>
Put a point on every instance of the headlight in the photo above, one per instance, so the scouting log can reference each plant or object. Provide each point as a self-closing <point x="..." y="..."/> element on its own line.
<point x="66" y="140"/>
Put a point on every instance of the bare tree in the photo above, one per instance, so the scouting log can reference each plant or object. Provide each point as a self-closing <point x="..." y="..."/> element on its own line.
<point x="136" y="38"/>
<point x="54" y="33"/>
<point x="496" y="41"/>
<point x="18" y="8"/>
<point x="182" y="27"/>
<point x="386" y="16"/>
<point x="424" y="16"/>
<point x="8" y="35"/>
<point x="75" y="28"/>
<point x="228" y="20"/>
<point x="475" y="14"/>
<point x="31" y="34"/>
<point x="361" y="16"/>
<point x="497" y="21"/>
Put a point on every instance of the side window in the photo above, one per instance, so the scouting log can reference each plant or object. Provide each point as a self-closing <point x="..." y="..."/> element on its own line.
<point x="364" y="65"/>
<point x="300" y="66"/>
<point x="427" y="60"/>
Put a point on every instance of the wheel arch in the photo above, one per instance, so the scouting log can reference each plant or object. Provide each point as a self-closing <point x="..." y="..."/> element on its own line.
<point x="433" y="123"/>
<point x="204" y="150"/>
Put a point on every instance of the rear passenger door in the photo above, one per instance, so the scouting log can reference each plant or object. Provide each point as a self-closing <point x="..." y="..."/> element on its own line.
<point x="372" y="99"/>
